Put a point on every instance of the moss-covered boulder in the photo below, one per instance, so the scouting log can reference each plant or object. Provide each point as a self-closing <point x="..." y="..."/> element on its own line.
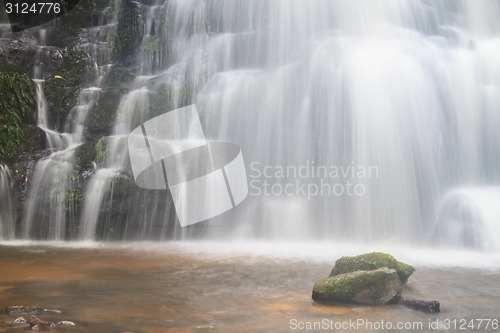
<point x="372" y="261"/>
<point x="374" y="287"/>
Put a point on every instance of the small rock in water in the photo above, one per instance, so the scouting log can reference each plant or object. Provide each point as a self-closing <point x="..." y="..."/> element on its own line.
<point x="372" y="278"/>
<point x="37" y="324"/>
<point x="65" y="323"/>
<point x="20" y="320"/>
<point x="424" y="306"/>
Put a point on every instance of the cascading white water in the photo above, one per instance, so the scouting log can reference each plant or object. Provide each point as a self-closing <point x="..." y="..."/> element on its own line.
<point x="54" y="139"/>
<point x="51" y="192"/>
<point x="7" y="217"/>
<point x="469" y="217"/>
<point x="98" y="186"/>
<point x="116" y="145"/>
<point x="116" y="160"/>
<point x="52" y="198"/>
<point x="406" y="89"/>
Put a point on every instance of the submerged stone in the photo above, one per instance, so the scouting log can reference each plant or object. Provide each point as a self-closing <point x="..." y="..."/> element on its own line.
<point x="424" y="306"/>
<point x="373" y="287"/>
<point x="38" y="324"/>
<point x="372" y="261"/>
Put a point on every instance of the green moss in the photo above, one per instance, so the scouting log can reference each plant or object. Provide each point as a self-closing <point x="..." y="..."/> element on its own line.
<point x="375" y="286"/>
<point x="339" y="287"/>
<point x="372" y="261"/>
<point x="102" y="153"/>
<point x="73" y="195"/>
<point x="152" y="47"/>
<point x="17" y="100"/>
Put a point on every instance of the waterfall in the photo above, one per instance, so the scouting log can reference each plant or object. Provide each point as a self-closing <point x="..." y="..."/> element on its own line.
<point x="407" y="89"/>
<point x="133" y="107"/>
<point x="51" y="206"/>
<point x="54" y="139"/>
<point x="7" y="217"/>
<point x="115" y="162"/>
<point x="52" y="191"/>
<point x="469" y="218"/>
<point x="357" y="120"/>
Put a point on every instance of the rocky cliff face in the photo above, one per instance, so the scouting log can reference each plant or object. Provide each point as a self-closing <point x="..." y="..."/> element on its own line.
<point x="61" y="86"/>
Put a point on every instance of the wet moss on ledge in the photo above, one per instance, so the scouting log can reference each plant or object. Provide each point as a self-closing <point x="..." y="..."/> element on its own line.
<point x="17" y="105"/>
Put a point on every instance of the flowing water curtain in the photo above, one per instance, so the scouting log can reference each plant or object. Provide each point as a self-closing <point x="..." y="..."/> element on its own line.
<point x="7" y="217"/>
<point x="55" y="194"/>
<point x="403" y="86"/>
<point x="407" y="87"/>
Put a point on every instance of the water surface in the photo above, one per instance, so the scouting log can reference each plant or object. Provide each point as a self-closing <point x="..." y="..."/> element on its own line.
<point x="199" y="287"/>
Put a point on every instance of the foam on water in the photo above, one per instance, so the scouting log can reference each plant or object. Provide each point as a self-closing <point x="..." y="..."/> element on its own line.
<point x="317" y="252"/>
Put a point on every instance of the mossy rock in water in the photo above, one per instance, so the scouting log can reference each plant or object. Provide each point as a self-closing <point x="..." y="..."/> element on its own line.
<point x="372" y="261"/>
<point x="374" y="287"/>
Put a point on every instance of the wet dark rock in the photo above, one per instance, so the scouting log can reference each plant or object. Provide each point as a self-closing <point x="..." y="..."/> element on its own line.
<point x="34" y="138"/>
<point x="373" y="278"/>
<point x="37" y="324"/>
<point x="375" y="287"/>
<point x="85" y="156"/>
<point x="101" y="118"/>
<point x="424" y="306"/>
<point x="129" y="36"/>
<point x="21" y="52"/>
